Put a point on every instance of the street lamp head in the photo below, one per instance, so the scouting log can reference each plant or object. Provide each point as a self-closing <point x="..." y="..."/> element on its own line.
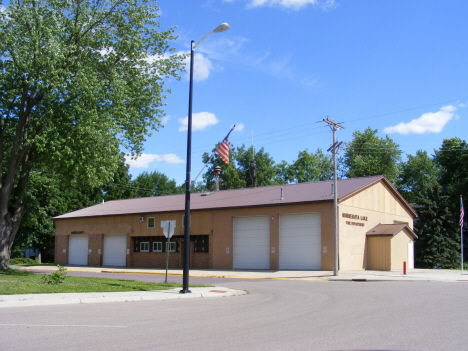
<point x="221" y="28"/>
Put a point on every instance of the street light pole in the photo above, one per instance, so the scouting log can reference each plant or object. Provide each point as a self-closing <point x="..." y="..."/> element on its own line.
<point x="185" y="283"/>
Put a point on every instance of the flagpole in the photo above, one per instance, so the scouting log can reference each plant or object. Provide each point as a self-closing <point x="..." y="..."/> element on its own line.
<point x="462" y="214"/>
<point x="212" y="155"/>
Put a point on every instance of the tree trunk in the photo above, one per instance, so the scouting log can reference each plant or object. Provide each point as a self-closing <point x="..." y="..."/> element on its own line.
<point x="38" y="255"/>
<point x="5" y="242"/>
<point x="8" y="229"/>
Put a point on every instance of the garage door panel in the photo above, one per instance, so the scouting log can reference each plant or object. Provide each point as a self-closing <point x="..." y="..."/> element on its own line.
<point x="300" y="242"/>
<point x="115" y="250"/>
<point x="251" y="237"/>
<point x="78" y="250"/>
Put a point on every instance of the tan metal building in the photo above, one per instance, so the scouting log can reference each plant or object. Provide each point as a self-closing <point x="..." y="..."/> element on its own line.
<point x="277" y="227"/>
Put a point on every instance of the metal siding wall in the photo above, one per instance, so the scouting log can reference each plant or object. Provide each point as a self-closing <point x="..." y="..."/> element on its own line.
<point x="399" y="250"/>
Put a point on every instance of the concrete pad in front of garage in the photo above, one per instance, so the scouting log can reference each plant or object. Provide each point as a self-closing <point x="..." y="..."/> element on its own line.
<point x="441" y="275"/>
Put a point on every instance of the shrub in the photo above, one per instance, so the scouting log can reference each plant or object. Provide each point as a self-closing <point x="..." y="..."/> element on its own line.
<point x="58" y="277"/>
<point x="23" y="260"/>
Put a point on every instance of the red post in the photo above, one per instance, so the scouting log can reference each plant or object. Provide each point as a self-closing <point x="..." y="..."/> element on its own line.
<point x="404" y="267"/>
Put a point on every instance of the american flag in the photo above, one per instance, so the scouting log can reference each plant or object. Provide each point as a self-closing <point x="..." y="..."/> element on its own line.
<point x="223" y="150"/>
<point x="462" y="212"/>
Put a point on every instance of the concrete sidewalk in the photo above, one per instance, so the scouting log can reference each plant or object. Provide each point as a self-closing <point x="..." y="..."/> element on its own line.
<point x="421" y="275"/>
<point x="441" y="275"/>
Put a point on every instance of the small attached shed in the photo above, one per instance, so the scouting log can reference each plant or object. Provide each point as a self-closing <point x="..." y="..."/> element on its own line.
<point x="389" y="245"/>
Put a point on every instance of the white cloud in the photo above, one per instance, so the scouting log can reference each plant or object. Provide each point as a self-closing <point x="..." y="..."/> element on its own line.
<point x="202" y="67"/>
<point x="200" y="121"/>
<point x="144" y="160"/>
<point x="289" y="4"/>
<point x="165" y="119"/>
<point x="431" y="122"/>
<point x="239" y="127"/>
<point x="329" y="5"/>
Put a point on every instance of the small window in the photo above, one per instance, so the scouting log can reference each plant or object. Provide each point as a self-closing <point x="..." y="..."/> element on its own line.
<point x="171" y="247"/>
<point x="157" y="246"/>
<point x="144" y="246"/>
<point x="151" y="222"/>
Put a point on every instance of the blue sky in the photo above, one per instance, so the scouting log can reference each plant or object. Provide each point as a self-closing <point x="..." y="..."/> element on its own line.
<point x="396" y="66"/>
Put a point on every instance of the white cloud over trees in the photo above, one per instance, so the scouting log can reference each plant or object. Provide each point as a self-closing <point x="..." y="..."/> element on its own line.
<point x="430" y="122"/>
<point x="144" y="160"/>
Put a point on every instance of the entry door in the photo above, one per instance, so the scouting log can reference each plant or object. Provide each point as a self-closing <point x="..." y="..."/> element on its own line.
<point x="78" y="250"/>
<point x="251" y="243"/>
<point x="411" y="255"/>
<point x="300" y="241"/>
<point x="115" y="250"/>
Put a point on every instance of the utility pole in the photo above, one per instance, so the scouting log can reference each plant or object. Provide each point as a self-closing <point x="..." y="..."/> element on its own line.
<point x="334" y="148"/>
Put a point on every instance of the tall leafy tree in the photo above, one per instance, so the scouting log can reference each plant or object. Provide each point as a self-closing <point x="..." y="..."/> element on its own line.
<point x="369" y="155"/>
<point x="452" y="162"/>
<point x="77" y="79"/>
<point x="154" y="184"/>
<point x="230" y="177"/>
<point x="417" y="174"/>
<point x="257" y="169"/>
<point x="44" y="199"/>
<point x="311" y="167"/>
<point x="438" y="243"/>
<point x="244" y="169"/>
<point x="48" y="196"/>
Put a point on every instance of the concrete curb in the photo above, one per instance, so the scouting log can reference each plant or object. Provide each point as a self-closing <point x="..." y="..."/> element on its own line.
<point x="88" y="298"/>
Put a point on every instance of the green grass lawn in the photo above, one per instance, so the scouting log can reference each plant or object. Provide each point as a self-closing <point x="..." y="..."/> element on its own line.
<point x="14" y="281"/>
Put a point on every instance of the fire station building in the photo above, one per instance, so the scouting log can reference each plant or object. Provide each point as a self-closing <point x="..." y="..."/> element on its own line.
<point x="276" y="227"/>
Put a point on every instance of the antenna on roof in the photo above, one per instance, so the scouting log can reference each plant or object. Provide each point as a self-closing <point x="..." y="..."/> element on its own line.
<point x="254" y="164"/>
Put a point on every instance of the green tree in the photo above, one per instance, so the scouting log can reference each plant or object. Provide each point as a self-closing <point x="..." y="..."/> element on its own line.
<point x="452" y="163"/>
<point x="44" y="200"/>
<point x="260" y="170"/>
<point x="369" y="155"/>
<point x="47" y="196"/>
<point x="438" y="241"/>
<point x="77" y="79"/>
<point x="230" y="177"/>
<point x="310" y="167"/>
<point x="154" y="184"/>
<point x="417" y="174"/>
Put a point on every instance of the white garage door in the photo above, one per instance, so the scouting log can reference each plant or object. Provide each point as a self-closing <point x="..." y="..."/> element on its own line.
<point x="115" y="250"/>
<point x="300" y="242"/>
<point x="251" y="247"/>
<point x="78" y="250"/>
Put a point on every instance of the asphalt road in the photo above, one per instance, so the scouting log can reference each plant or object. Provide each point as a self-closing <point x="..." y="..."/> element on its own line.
<point x="275" y="315"/>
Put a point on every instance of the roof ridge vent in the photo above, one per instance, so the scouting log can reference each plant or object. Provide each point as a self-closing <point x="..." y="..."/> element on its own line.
<point x="208" y="193"/>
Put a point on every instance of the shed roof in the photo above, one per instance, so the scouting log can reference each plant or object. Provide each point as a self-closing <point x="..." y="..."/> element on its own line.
<point x="390" y="229"/>
<point x="236" y="198"/>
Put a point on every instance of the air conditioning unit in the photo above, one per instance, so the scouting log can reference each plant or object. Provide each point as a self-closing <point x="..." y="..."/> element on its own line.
<point x="141" y="219"/>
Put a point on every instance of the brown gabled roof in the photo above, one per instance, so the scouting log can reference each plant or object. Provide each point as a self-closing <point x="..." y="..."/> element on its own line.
<point x="247" y="197"/>
<point x="390" y="229"/>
